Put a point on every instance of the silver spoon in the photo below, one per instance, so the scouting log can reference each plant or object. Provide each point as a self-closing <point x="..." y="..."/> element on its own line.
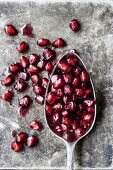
<point x="71" y="146"/>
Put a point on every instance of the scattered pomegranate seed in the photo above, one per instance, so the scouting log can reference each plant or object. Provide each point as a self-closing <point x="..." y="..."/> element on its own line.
<point x="75" y="25"/>
<point x="43" y="42"/>
<point x="10" y="30"/>
<point x="8" y="80"/>
<point x="32" y="141"/>
<point x="25" y="101"/>
<point x="33" y="70"/>
<point x="16" y="146"/>
<point x="27" y="30"/>
<point x="38" y="89"/>
<point x="34" y="59"/>
<point x="20" y="85"/>
<point x="51" y="97"/>
<point x="49" y="54"/>
<point x="36" y="79"/>
<point x="23" y="111"/>
<point x="59" y="43"/>
<point x="49" y="67"/>
<point x="23" y="47"/>
<point x="15" y="68"/>
<point x="24" y="76"/>
<point x="41" y="64"/>
<point x="39" y="99"/>
<point x="24" y="61"/>
<point x="21" y="137"/>
<point x="36" y="125"/>
<point x="7" y="96"/>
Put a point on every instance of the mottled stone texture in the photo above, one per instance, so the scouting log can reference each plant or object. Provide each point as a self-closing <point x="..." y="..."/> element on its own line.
<point x="95" y="44"/>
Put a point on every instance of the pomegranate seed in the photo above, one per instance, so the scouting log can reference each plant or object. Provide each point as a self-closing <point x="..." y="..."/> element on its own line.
<point x="49" y="67"/>
<point x="66" y="120"/>
<point x="32" y="141"/>
<point x="58" y="106"/>
<point x="88" y="117"/>
<point x="75" y="124"/>
<point x="49" y="54"/>
<point x="36" y="79"/>
<point x="39" y="99"/>
<point x="90" y="109"/>
<point x="8" y="80"/>
<point x="10" y="30"/>
<point x="58" y="83"/>
<point x="43" y="42"/>
<point x="77" y="71"/>
<point x="24" y="76"/>
<point x="20" y="85"/>
<point x="45" y="82"/>
<point x="79" y="92"/>
<point x="54" y="78"/>
<point x="16" y="146"/>
<point x="75" y="25"/>
<point x="24" y="61"/>
<point x="79" y="132"/>
<point x="69" y="136"/>
<point x="59" y="92"/>
<point x="68" y="78"/>
<point x="72" y="61"/>
<point x="49" y="109"/>
<point x="51" y="98"/>
<point x="36" y="125"/>
<point x="74" y="97"/>
<point x="7" y="96"/>
<point x="64" y="67"/>
<point x="89" y="102"/>
<point x="25" y="101"/>
<point x="27" y="30"/>
<point x="71" y="106"/>
<point x="23" y="111"/>
<point x="84" y="124"/>
<point x="66" y="99"/>
<point x="88" y="92"/>
<point x="65" y="113"/>
<point x="23" y="47"/>
<point x="56" y="118"/>
<point x="84" y="76"/>
<point x="34" y="59"/>
<point x="59" y="130"/>
<point x="38" y="89"/>
<point x="21" y="137"/>
<point x="33" y="70"/>
<point x="64" y="127"/>
<point x="59" y="43"/>
<point x="68" y="89"/>
<point x="76" y="82"/>
<point x="41" y="64"/>
<point x="15" y="68"/>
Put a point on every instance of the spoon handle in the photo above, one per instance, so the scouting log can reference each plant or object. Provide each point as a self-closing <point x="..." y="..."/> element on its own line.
<point x="70" y="155"/>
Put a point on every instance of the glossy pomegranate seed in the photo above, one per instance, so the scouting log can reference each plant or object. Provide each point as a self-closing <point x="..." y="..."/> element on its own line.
<point x="24" y="76"/>
<point x="27" y="30"/>
<point x="54" y="78"/>
<point x="66" y="120"/>
<point x="49" y="67"/>
<point x="25" y="101"/>
<point x="64" y="67"/>
<point x="23" y="47"/>
<point x="58" y="83"/>
<point x="88" y="117"/>
<point x="84" y="76"/>
<point x="34" y="59"/>
<point x="72" y="61"/>
<point x="77" y="71"/>
<point x="89" y="102"/>
<point x="7" y="96"/>
<point x="24" y="61"/>
<point x="59" y="43"/>
<point x="45" y="82"/>
<point x="49" y="109"/>
<point x="16" y="146"/>
<point x="10" y="30"/>
<point x="39" y="99"/>
<point x="32" y="141"/>
<point x="23" y="111"/>
<point x="74" y="97"/>
<point x="7" y="80"/>
<point x="21" y="137"/>
<point x="38" y="89"/>
<point x="41" y="64"/>
<point x="43" y="42"/>
<point x="76" y="82"/>
<point x="59" y="92"/>
<point x="33" y="70"/>
<point x="58" y="106"/>
<point x="69" y="136"/>
<point x="20" y="85"/>
<point x="68" y="78"/>
<point x="75" y="124"/>
<point x="66" y="99"/>
<point x="51" y="98"/>
<point x="90" y="109"/>
<point x="58" y="129"/>
<point x="84" y="124"/>
<point x="36" y="125"/>
<point x="88" y="92"/>
<point x="49" y="54"/>
<point x="15" y="68"/>
<point x="79" y="132"/>
<point x="68" y="89"/>
<point x="79" y="92"/>
<point x="56" y="118"/>
<point x="36" y="79"/>
<point x="65" y="113"/>
<point x="75" y="25"/>
<point x="71" y="106"/>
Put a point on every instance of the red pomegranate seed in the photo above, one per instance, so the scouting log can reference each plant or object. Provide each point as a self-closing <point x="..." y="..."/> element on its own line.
<point x="51" y="98"/>
<point x="27" y="30"/>
<point x="66" y="99"/>
<point x="34" y="59"/>
<point x="75" y="25"/>
<point x="72" y="61"/>
<point x="69" y="136"/>
<point x="88" y="117"/>
<point x="74" y="97"/>
<point x="58" y="106"/>
<point x="7" y="96"/>
<point x="89" y="102"/>
<point x="43" y="42"/>
<point x="38" y="89"/>
<point x="39" y="99"/>
<point x="23" y="47"/>
<point x="54" y="78"/>
<point x="84" y="76"/>
<point x="25" y="101"/>
<point x="49" y="54"/>
<point x="58" y="129"/>
<point x="71" y="106"/>
<point x="8" y="80"/>
<point x="41" y="64"/>
<point x="88" y="92"/>
<point x="77" y="71"/>
<point x="15" y="68"/>
<point x="24" y="61"/>
<point x="66" y="120"/>
<point x="16" y="146"/>
<point x="75" y="124"/>
<point x="76" y="82"/>
<point x="65" y="67"/>
<point x="45" y="82"/>
<point x="56" y="118"/>
<point x="23" y="111"/>
<point x="68" y="89"/>
<point x="33" y="70"/>
<point x="79" y="132"/>
<point x="82" y="107"/>
<point x="32" y="141"/>
<point x="10" y="30"/>
<point x="21" y="137"/>
<point x="59" y="92"/>
<point x="24" y="76"/>
<point x="79" y="92"/>
<point x="65" y="113"/>
<point x="36" y="79"/>
<point x="84" y="124"/>
<point x="36" y="125"/>
<point x="58" y="83"/>
<point x="49" y="67"/>
<point x="59" y="43"/>
<point x="68" y="78"/>
<point x="90" y="109"/>
<point x="49" y="109"/>
<point x="20" y="85"/>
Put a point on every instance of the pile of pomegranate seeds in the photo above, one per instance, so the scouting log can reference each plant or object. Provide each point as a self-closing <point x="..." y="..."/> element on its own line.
<point x="70" y="104"/>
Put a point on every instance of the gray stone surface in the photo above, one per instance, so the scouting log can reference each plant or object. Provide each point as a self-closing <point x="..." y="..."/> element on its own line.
<point x="95" y="44"/>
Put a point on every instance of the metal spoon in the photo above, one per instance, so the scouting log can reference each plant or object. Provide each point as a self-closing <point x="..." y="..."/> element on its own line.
<point x="71" y="146"/>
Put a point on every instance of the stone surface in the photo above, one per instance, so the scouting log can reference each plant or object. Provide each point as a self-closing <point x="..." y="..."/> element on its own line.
<point x="95" y="44"/>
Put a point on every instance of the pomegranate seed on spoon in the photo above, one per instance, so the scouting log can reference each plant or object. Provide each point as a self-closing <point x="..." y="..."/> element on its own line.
<point x="24" y="76"/>
<point x="23" y="47"/>
<point x="8" y="80"/>
<point x="75" y="25"/>
<point x="84" y="76"/>
<point x="36" y="125"/>
<point x="51" y="97"/>
<point x="49" y="109"/>
<point x="24" y="62"/>
<point x="16" y="146"/>
<point x="56" y="118"/>
<point x="59" y="43"/>
<point x="43" y="42"/>
<point x="32" y="141"/>
<point x="21" y="137"/>
<point x="10" y="30"/>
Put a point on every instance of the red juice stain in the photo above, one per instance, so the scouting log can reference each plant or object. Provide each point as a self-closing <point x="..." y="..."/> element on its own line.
<point x="27" y="30"/>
